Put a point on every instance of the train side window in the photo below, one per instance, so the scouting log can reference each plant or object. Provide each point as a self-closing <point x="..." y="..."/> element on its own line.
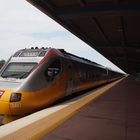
<point x="53" y="70"/>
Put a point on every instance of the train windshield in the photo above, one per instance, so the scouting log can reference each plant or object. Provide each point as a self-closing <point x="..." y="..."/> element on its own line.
<point x="18" y="70"/>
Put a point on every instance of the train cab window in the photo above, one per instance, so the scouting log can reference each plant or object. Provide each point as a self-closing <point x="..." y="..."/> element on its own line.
<point x="18" y="70"/>
<point x="53" y="70"/>
<point x="42" y="54"/>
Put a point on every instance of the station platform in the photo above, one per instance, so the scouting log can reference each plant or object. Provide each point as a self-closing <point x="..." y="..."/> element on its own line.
<point x="115" y="115"/>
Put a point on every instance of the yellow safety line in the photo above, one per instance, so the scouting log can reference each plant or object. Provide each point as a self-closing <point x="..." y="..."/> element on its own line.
<point x="43" y="125"/>
<point x="66" y="113"/>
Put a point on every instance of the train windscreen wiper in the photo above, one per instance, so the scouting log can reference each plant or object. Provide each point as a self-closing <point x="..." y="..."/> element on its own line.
<point x="23" y="75"/>
<point x="11" y="75"/>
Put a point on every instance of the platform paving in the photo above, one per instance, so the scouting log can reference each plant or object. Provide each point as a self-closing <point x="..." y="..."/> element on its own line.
<point x="113" y="116"/>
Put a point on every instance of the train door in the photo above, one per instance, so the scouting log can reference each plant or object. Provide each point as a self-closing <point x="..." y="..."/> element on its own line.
<point x="70" y="78"/>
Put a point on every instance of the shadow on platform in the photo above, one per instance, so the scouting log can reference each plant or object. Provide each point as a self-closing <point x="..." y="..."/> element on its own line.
<point x="113" y="116"/>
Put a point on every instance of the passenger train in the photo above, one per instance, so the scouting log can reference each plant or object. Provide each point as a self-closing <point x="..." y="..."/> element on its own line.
<point x="35" y="78"/>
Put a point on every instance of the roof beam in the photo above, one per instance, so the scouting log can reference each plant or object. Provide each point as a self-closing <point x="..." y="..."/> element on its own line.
<point x="82" y="3"/>
<point x="115" y="10"/>
<point x="124" y="40"/>
<point x="49" y="3"/>
<point x="78" y="31"/>
<point x="46" y="7"/>
<point x="119" y="58"/>
<point x="100" y="29"/>
<point x="120" y="47"/>
<point x="126" y="66"/>
<point x="116" y="1"/>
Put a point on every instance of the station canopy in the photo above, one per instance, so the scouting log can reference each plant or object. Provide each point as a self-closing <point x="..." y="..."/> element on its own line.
<point x="112" y="27"/>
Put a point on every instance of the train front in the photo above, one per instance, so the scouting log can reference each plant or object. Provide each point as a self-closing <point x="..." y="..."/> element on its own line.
<point x="13" y="75"/>
<point x="8" y="95"/>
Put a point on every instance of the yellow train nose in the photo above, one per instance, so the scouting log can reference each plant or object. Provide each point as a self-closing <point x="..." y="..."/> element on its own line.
<point x="1" y="93"/>
<point x="4" y="108"/>
<point x="4" y="102"/>
<point x="5" y="95"/>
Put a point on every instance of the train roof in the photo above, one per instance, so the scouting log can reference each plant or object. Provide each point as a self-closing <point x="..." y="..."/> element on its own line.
<point x="80" y="59"/>
<point x="41" y="52"/>
<point x="32" y="52"/>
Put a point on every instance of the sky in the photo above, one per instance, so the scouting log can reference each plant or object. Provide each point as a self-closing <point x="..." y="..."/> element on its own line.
<point x="24" y="26"/>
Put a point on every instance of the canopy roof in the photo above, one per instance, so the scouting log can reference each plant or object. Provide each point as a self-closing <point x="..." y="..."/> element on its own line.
<point x="112" y="27"/>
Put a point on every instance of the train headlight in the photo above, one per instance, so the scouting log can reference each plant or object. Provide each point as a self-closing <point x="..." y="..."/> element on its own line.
<point x="15" y="97"/>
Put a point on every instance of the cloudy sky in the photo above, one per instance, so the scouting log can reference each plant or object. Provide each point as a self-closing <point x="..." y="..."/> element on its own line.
<point x="24" y="26"/>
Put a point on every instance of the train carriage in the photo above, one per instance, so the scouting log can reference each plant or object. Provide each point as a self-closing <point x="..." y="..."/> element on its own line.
<point x="35" y="78"/>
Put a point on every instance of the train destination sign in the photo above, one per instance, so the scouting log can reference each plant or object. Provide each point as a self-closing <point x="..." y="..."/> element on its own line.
<point x="29" y="54"/>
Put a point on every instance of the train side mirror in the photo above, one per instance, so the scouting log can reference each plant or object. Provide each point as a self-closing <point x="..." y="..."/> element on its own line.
<point x="50" y="74"/>
<point x="53" y="70"/>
